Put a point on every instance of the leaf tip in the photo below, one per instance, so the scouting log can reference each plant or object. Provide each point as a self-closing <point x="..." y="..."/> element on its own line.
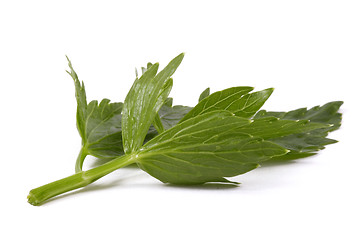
<point x="180" y="57"/>
<point x="69" y="62"/>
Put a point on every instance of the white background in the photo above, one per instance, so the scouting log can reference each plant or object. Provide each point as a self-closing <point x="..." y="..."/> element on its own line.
<point x="309" y="51"/>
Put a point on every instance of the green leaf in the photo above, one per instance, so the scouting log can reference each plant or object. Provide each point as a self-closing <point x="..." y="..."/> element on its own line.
<point x="169" y="116"/>
<point x="103" y="129"/>
<point x="237" y="100"/>
<point x="143" y="101"/>
<point x="249" y="104"/>
<point x="307" y="143"/>
<point x="99" y="125"/>
<point x="204" y="94"/>
<point x="272" y="127"/>
<point x="205" y="148"/>
<point x="80" y="95"/>
<point x="327" y="114"/>
<point x="157" y="123"/>
<point x="218" y="101"/>
<point x="168" y="102"/>
<point x="106" y="141"/>
<point x="144" y="69"/>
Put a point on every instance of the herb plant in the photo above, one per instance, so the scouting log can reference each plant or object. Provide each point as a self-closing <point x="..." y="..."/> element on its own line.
<point x="224" y="135"/>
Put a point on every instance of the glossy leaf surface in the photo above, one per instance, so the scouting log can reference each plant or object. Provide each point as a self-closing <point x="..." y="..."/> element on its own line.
<point x="237" y="100"/>
<point x="143" y="102"/>
<point x="205" y="148"/>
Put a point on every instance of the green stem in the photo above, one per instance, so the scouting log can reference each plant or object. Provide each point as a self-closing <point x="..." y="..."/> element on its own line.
<point x="80" y="160"/>
<point x="78" y="180"/>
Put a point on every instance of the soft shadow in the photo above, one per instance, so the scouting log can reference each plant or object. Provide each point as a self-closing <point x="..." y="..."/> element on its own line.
<point x="95" y="187"/>
<point x="206" y="186"/>
<point x="118" y="182"/>
<point x="289" y="161"/>
<point x="276" y="163"/>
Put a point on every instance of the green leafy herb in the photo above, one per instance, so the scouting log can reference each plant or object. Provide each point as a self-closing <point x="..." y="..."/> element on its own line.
<point x="99" y="125"/>
<point x="145" y="98"/>
<point x="224" y="135"/>
<point x="307" y="143"/>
